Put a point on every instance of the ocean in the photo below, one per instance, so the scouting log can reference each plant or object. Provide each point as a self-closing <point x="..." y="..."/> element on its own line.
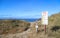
<point x="27" y="20"/>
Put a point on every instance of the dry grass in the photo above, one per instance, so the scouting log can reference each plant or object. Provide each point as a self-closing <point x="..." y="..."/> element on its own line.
<point x="13" y="26"/>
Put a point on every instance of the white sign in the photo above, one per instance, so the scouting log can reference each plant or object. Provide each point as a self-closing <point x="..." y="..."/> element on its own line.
<point x="45" y="18"/>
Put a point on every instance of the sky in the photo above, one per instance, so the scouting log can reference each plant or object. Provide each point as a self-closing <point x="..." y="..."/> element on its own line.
<point x="28" y="8"/>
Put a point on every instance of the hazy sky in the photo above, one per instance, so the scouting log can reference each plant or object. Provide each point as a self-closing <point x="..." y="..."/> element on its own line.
<point x="27" y="8"/>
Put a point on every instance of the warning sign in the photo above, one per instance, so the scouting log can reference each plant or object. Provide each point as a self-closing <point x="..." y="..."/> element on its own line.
<point x="45" y="18"/>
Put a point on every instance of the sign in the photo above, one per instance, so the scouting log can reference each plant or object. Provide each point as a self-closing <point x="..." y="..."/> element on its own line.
<point x="45" y="18"/>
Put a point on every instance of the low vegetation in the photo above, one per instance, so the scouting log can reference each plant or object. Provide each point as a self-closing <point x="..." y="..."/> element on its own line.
<point x="13" y="26"/>
<point x="54" y="26"/>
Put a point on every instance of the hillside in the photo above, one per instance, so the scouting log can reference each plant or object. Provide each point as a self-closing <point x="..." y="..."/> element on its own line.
<point x="54" y="26"/>
<point x="13" y="26"/>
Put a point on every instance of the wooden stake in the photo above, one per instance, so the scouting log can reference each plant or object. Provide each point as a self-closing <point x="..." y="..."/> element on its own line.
<point x="45" y="29"/>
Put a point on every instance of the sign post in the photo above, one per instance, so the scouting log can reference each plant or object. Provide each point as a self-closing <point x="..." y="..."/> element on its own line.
<point x="45" y="19"/>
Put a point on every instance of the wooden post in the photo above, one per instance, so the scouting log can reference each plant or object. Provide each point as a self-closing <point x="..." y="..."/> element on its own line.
<point x="45" y="28"/>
